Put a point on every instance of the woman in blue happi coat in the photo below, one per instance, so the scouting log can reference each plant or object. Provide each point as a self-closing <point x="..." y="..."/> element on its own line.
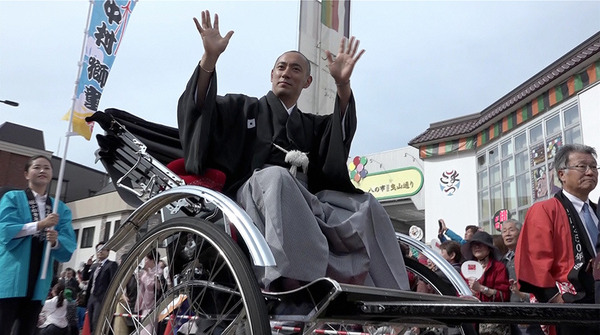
<point x="27" y="224"/>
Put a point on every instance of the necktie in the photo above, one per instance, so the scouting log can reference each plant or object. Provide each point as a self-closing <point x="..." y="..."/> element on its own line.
<point x="510" y="255"/>
<point x="94" y="277"/>
<point x="589" y="222"/>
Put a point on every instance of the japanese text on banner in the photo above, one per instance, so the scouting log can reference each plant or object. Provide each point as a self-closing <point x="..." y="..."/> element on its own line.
<point x="105" y="31"/>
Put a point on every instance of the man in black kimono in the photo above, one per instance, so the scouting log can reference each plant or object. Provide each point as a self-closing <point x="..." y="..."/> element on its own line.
<point x="287" y="169"/>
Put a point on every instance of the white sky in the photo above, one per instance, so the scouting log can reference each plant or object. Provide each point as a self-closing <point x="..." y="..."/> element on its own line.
<point x="425" y="61"/>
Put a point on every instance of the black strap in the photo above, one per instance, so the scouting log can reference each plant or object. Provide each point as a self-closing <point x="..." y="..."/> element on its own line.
<point x="579" y="276"/>
<point x="37" y="242"/>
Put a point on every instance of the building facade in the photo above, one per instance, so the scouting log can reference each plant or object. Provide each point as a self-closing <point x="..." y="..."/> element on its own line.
<point x="96" y="219"/>
<point x="494" y="164"/>
<point x="395" y="178"/>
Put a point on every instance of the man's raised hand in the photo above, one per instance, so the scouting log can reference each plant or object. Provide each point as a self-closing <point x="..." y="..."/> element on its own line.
<point x="341" y="68"/>
<point x="214" y="43"/>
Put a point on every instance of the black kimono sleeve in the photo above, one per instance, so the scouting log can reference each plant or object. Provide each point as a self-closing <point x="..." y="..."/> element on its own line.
<point x="335" y="148"/>
<point x="194" y="123"/>
<point x="216" y="134"/>
<point x="329" y="149"/>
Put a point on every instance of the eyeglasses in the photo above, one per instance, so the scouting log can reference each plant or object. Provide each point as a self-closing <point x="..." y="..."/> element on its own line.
<point x="583" y="168"/>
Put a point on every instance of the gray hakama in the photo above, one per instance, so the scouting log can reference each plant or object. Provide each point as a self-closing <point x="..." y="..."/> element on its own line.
<point x="347" y="237"/>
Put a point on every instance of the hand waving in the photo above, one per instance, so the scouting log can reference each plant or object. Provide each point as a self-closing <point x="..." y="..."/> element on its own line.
<point x="341" y="68"/>
<point x="214" y="43"/>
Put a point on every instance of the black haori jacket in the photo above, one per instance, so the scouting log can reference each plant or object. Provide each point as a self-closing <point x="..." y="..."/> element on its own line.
<point x="235" y="134"/>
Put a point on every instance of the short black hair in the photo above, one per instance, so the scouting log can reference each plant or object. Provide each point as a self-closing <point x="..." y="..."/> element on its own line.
<point x="299" y="53"/>
<point x="99" y="244"/>
<point x="472" y="228"/>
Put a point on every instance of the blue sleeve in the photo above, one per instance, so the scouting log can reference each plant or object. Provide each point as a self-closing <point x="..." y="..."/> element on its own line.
<point x="12" y="219"/>
<point x="66" y="235"/>
<point x="455" y="237"/>
<point x="442" y="238"/>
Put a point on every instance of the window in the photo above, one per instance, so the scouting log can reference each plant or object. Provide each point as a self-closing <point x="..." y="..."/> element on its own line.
<point x="107" y="225"/>
<point x="519" y="170"/>
<point x="571" y="122"/>
<point x="506" y="149"/>
<point x="496" y="199"/>
<point x="536" y="134"/>
<point x="523" y="190"/>
<point x="571" y="116"/>
<point x="510" y="193"/>
<point x="553" y="125"/>
<point x="482" y="180"/>
<point x="573" y="135"/>
<point x="76" y="235"/>
<point x="484" y="206"/>
<point x="87" y="237"/>
<point x="508" y="168"/>
<point x="493" y="156"/>
<point x="495" y="174"/>
<point x="521" y="142"/>
<point x="521" y="162"/>
<point x="117" y="226"/>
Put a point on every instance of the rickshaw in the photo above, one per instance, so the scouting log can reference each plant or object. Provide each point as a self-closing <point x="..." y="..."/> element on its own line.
<point x="210" y="245"/>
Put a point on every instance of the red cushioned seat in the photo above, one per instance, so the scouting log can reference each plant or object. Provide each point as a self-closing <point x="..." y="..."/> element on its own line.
<point x="212" y="178"/>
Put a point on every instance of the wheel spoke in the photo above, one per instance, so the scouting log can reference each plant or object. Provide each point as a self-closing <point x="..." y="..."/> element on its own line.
<point x="210" y="289"/>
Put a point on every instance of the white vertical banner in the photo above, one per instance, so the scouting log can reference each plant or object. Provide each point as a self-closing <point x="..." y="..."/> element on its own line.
<point x="105" y="31"/>
<point x="309" y="45"/>
<point x="335" y="23"/>
<point x="322" y="26"/>
<point x="106" y="24"/>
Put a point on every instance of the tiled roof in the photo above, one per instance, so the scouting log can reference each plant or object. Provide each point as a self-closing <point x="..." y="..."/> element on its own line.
<point x="469" y="125"/>
<point x="21" y="135"/>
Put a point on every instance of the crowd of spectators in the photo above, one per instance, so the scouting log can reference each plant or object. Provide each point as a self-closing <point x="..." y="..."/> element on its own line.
<point x="66" y="309"/>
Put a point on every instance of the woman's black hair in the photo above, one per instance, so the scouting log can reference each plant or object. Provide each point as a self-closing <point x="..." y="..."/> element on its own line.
<point x="60" y="289"/>
<point x="31" y="159"/>
<point x="153" y="255"/>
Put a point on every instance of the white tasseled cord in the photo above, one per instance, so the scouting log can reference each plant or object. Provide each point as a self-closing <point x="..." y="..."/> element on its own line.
<point x="295" y="158"/>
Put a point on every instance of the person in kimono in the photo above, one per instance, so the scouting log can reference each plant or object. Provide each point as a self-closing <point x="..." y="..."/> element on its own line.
<point x="287" y="169"/>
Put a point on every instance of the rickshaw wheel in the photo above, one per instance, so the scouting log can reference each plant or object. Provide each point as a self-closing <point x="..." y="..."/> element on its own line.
<point x="437" y="286"/>
<point x="209" y="287"/>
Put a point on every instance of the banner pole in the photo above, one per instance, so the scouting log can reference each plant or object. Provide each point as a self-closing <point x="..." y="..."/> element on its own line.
<point x="61" y="171"/>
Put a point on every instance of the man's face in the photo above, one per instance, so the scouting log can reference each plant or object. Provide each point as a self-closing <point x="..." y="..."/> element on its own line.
<point x="579" y="182"/>
<point x="101" y="254"/>
<point x="510" y="234"/>
<point x="290" y="76"/>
